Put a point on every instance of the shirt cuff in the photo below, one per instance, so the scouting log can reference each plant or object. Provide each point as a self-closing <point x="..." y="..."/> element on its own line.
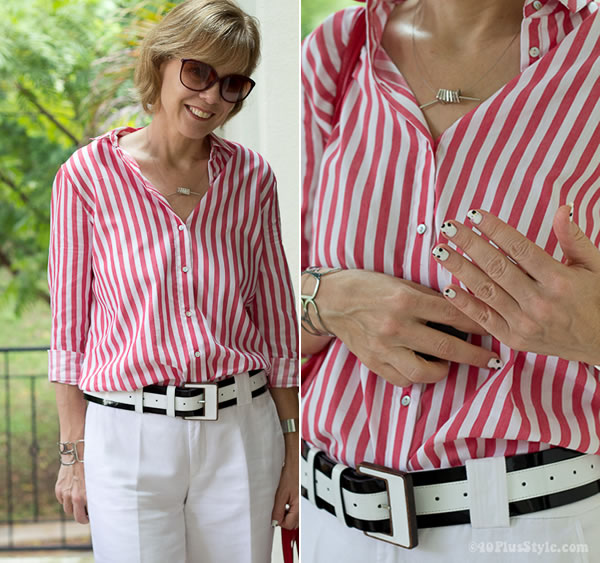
<point x="64" y="366"/>
<point x="284" y="372"/>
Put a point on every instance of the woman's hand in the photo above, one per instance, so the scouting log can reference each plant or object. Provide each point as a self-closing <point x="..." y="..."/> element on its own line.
<point x="287" y="491"/>
<point x="382" y="320"/>
<point x="70" y="491"/>
<point x="533" y="302"/>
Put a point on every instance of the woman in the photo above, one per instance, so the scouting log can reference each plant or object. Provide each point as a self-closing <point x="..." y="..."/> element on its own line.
<point x="462" y="121"/>
<point x="173" y="314"/>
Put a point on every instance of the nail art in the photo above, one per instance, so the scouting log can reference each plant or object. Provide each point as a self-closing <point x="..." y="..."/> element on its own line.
<point x="448" y="229"/>
<point x="475" y="216"/>
<point x="449" y="292"/>
<point x="440" y="253"/>
<point x="274" y="523"/>
<point x="495" y="363"/>
<point x="571" y="205"/>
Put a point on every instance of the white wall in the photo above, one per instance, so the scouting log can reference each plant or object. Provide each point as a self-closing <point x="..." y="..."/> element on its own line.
<point x="269" y="121"/>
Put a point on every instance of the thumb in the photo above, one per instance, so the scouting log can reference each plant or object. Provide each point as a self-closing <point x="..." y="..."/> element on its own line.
<point x="577" y="248"/>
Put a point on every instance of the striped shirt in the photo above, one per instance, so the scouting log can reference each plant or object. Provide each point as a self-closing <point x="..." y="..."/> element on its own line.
<point x="141" y="297"/>
<point x="376" y="192"/>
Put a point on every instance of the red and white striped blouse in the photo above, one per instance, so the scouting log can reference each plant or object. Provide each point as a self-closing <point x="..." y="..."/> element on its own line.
<point x="377" y="189"/>
<point x="141" y="297"/>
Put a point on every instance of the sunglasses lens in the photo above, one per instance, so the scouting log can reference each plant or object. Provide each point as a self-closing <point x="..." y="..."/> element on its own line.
<point x="235" y="88"/>
<point x="197" y="75"/>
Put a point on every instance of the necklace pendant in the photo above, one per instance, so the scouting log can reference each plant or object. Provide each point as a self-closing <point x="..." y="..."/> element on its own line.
<point x="184" y="191"/>
<point x="448" y="96"/>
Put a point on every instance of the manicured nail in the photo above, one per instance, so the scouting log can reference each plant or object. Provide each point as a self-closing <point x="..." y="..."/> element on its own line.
<point x="475" y="216"/>
<point x="449" y="292"/>
<point x="448" y="229"/>
<point x="495" y="363"/>
<point x="571" y="205"/>
<point x="440" y="253"/>
<point x="274" y="523"/>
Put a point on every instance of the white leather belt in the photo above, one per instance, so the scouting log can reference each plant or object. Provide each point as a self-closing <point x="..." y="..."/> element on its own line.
<point x="444" y="497"/>
<point x="213" y="396"/>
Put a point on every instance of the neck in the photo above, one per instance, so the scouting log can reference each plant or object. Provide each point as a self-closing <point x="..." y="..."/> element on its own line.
<point x="460" y="22"/>
<point x="171" y="148"/>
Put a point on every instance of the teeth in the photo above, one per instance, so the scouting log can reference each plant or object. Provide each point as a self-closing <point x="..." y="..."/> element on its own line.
<point x="199" y="113"/>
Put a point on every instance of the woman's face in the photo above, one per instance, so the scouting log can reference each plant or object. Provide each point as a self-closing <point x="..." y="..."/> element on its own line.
<point x="193" y="114"/>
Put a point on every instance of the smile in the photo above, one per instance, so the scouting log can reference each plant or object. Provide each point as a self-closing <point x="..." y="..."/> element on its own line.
<point x="198" y="113"/>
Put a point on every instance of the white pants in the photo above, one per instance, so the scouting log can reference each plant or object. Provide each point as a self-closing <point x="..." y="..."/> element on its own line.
<point x="567" y="534"/>
<point x="167" y="490"/>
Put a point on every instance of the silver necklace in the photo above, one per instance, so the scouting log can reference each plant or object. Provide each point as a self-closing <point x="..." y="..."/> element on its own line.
<point x="447" y="95"/>
<point x="180" y="190"/>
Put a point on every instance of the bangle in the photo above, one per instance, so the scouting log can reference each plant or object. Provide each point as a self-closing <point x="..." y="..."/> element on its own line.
<point x="288" y="425"/>
<point x="69" y="448"/>
<point x="307" y="300"/>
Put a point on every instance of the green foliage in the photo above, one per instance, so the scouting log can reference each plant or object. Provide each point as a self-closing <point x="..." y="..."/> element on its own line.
<point x="66" y="69"/>
<point x="315" y="11"/>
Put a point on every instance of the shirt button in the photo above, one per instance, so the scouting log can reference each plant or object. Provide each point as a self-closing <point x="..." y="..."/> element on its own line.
<point x="197" y="354"/>
<point x="422" y="228"/>
<point x="188" y="313"/>
<point x="534" y="52"/>
<point x="181" y="227"/>
<point x="405" y="401"/>
<point x="537" y="5"/>
<point x="185" y="268"/>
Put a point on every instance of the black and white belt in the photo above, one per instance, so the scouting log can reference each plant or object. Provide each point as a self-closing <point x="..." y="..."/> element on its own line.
<point x="390" y="505"/>
<point x="191" y="401"/>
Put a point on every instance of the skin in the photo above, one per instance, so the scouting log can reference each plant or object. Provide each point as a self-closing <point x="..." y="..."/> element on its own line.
<point x="173" y="151"/>
<point x="383" y="323"/>
<point x="539" y="304"/>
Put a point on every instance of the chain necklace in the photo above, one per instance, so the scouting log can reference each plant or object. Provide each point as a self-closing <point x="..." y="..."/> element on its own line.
<point x="447" y="95"/>
<point x="181" y="190"/>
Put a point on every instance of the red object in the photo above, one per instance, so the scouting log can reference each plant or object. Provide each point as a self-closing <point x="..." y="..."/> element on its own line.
<point x="288" y="539"/>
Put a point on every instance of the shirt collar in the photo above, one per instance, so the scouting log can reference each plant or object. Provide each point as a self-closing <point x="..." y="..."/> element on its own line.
<point x="572" y="5"/>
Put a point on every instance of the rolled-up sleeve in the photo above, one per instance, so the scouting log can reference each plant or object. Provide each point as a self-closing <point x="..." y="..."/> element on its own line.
<point x="69" y="280"/>
<point x="273" y="308"/>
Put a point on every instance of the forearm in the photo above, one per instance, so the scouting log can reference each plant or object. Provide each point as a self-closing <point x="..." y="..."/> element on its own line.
<point x="71" y="411"/>
<point x="286" y="402"/>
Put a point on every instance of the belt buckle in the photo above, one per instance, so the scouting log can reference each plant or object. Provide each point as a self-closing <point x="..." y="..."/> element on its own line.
<point x="403" y="517"/>
<point x="210" y="400"/>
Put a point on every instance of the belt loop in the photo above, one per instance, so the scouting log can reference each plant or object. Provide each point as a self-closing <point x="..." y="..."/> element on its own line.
<point x="138" y="396"/>
<point x="170" y="397"/>
<point x="336" y="484"/>
<point x="310" y="486"/>
<point x="242" y="387"/>
<point x="488" y="492"/>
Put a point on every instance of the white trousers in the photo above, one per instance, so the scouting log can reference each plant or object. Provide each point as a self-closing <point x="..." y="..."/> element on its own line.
<point x="167" y="490"/>
<point x="567" y="534"/>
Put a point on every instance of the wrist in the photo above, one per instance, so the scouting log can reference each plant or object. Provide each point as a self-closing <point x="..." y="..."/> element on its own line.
<point x="313" y="297"/>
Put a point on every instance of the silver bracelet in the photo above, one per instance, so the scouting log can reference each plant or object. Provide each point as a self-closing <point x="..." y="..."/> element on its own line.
<point x="309" y="300"/>
<point x="289" y="425"/>
<point x="69" y="448"/>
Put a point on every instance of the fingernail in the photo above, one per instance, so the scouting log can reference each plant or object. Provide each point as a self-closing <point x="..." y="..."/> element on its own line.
<point x="572" y="206"/>
<point x="475" y="217"/>
<point x="448" y="229"/>
<point x="495" y="363"/>
<point x="440" y="253"/>
<point x="449" y="292"/>
<point x="274" y="523"/>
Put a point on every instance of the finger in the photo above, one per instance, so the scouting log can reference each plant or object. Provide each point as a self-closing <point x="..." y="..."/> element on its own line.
<point x="533" y="259"/>
<point x="436" y="309"/>
<point x="292" y="516"/>
<point x="278" y="513"/>
<point x="404" y="368"/>
<point x="479" y="311"/>
<point x="576" y="246"/>
<point x="67" y="503"/>
<point x="79" y="510"/>
<point x="483" y="286"/>
<point x="450" y="348"/>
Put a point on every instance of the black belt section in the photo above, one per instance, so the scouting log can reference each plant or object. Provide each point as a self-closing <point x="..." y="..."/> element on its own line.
<point x="181" y="392"/>
<point x="356" y="482"/>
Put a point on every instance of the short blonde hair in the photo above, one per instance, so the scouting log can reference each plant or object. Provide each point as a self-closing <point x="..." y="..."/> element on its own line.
<point x="217" y="32"/>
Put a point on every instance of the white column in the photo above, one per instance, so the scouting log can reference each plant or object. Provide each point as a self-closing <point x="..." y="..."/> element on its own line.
<point x="269" y="121"/>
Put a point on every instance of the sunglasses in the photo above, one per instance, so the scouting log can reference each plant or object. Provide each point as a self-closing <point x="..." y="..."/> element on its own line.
<point x="199" y="76"/>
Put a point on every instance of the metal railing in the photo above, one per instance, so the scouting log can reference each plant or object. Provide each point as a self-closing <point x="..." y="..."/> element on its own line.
<point x="30" y="516"/>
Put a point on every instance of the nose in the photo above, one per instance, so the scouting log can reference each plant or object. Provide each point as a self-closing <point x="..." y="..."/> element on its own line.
<point x="212" y="95"/>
